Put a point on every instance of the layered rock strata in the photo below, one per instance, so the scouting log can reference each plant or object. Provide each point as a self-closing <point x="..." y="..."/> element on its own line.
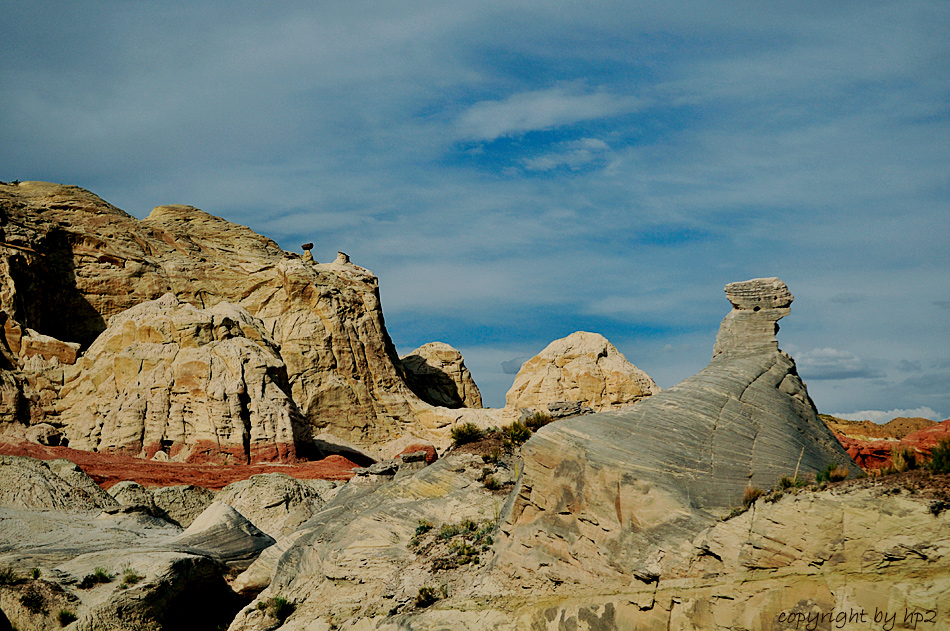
<point x="605" y="495"/>
<point x="195" y="383"/>
<point x="64" y="250"/>
<point x="583" y="368"/>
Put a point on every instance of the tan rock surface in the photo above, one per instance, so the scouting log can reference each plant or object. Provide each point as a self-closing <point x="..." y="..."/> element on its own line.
<point x="201" y="384"/>
<point x="68" y="251"/>
<point x="437" y="373"/>
<point x="582" y="367"/>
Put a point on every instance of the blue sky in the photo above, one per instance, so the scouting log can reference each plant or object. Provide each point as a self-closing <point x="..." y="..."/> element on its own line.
<point x="516" y="171"/>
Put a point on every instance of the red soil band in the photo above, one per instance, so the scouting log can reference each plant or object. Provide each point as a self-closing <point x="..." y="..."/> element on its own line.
<point x="108" y="469"/>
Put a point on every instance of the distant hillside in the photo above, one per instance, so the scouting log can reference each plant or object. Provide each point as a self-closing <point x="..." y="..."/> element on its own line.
<point x="895" y="429"/>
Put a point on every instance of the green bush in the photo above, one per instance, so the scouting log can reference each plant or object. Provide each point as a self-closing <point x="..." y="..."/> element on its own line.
<point x="786" y="482"/>
<point x="65" y="616"/>
<point x="35" y="573"/>
<point x="130" y="576"/>
<point x="281" y="608"/>
<point x="940" y="457"/>
<point x="465" y="433"/>
<point x="537" y="420"/>
<point x="903" y="460"/>
<point x="517" y="433"/>
<point x="491" y="483"/>
<point x="99" y="575"/>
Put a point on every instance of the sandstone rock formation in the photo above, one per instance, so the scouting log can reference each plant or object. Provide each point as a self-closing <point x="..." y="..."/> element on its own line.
<point x="275" y="503"/>
<point x="33" y="484"/>
<point x="603" y="494"/>
<point x="582" y="367"/>
<point x="436" y="372"/>
<point x="877" y="454"/>
<point x="65" y="251"/>
<point x="168" y="376"/>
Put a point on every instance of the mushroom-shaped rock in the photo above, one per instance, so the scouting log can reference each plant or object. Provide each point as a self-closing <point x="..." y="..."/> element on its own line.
<point x="603" y="494"/>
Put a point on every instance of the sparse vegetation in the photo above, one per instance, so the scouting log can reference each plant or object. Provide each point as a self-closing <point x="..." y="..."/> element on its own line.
<point x="33" y="600"/>
<point x="427" y="596"/>
<point x="903" y="460"/>
<point x="537" y="420"/>
<point x="8" y="577"/>
<point x="797" y="482"/>
<point x="493" y="457"/>
<point x="940" y="457"/>
<point x="280" y="608"/>
<point x="516" y="433"/>
<point x="35" y="573"/>
<point x="130" y="576"/>
<point x="491" y="483"/>
<point x="99" y="575"/>
<point x="465" y="433"/>
<point x="65" y="616"/>
<point x="751" y="494"/>
<point x="831" y="473"/>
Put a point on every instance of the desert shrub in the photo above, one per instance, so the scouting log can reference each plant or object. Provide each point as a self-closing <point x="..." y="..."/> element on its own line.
<point x="35" y="573"/>
<point x="8" y="577"/>
<point x="130" y="576"/>
<point x="99" y="575"/>
<point x="491" y="483"/>
<point x="465" y="433"/>
<point x="751" y="494"/>
<point x="447" y="531"/>
<point x="903" y="460"/>
<point x="33" y="600"/>
<point x="427" y="596"/>
<point x="281" y="608"/>
<point x="423" y="527"/>
<point x="517" y="433"/>
<point x="537" y="420"/>
<point x="832" y="473"/>
<point x="940" y="457"/>
<point x="65" y="616"/>
<point x="786" y="482"/>
<point x="493" y="457"/>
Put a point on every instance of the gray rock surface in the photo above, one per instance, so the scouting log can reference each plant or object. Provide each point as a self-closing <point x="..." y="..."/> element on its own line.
<point x="274" y="502"/>
<point x="182" y="503"/>
<point x="222" y="532"/>
<point x="604" y="494"/>
<point x="27" y="483"/>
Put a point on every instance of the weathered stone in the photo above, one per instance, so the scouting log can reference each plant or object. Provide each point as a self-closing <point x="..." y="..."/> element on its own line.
<point x="224" y="533"/>
<point x="182" y="504"/>
<point x="45" y="434"/>
<point x="201" y="384"/>
<point x="274" y="502"/>
<point x="26" y="483"/>
<point x="47" y="347"/>
<point x="604" y="493"/>
<point x="436" y="372"/>
<point x="582" y="367"/>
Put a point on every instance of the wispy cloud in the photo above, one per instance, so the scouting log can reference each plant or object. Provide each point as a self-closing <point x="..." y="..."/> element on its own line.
<point x="540" y="109"/>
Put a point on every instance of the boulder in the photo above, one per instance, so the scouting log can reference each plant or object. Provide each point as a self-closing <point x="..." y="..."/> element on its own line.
<point x="436" y="372"/>
<point x="602" y="494"/>
<point x="582" y="367"/>
<point x="274" y="502"/>
<point x="27" y="483"/>
<point x="202" y="384"/>
<point x="181" y="504"/>
<point x="225" y="534"/>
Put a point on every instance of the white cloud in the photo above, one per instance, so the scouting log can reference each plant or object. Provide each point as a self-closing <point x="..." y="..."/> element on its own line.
<point x="573" y="155"/>
<point x="880" y="416"/>
<point x="540" y="109"/>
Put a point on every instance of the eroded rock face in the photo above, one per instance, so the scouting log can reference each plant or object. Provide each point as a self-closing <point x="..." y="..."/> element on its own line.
<point x="275" y="503"/>
<point x="26" y="483"/>
<point x="197" y="383"/>
<point x="64" y="250"/>
<point x="605" y="494"/>
<point x="582" y="367"/>
<point x="437" y="373"/>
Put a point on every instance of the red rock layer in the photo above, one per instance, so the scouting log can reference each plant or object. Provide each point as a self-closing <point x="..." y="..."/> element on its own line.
<point x="876" y="454"/>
